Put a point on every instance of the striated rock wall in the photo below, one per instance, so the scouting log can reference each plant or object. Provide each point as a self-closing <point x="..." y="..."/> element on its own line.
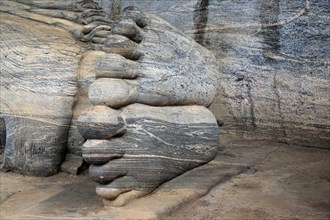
<point x="274" y="60"/>
<point x="38" y="85"/>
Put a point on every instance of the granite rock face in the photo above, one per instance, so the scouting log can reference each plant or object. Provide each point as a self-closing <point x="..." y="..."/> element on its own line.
<point x="145" y="147"/>
<point x="273" y="59"/>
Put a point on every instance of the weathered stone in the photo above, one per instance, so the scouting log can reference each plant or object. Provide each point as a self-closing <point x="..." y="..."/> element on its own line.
<point x="273" y="59"/>
<point x="38" y="84"/>
<point x="163" y="66"/>
<point x="275" y="82"/>
<point x="160" y="143"/>
<point x="272" y="55"/>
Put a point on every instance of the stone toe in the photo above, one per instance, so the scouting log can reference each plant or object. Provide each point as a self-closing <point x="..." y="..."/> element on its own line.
<point x="128" y="28"/>
<point x="121" y="191"/>
<point x="118" y="186"/>
<point x="101" y="122"/>
<point x="136" y="15"/>
<point x="118" y="44"/>
<point x="113" y="92"/>
<point x="110" y="65"/>
<point x="99" y="152"/>
<point x="106" y="173"/>
<point x="126" y="197"/>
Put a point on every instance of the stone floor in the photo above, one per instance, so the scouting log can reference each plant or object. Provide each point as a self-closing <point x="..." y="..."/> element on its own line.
<point x="247" y="180"/>
<point x="289" y="182"/>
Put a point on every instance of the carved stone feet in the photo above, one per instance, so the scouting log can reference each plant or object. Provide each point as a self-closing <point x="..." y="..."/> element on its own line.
<point x="137" y="148"/>
<point x="143" y="59"/>
<point x="52" y="60"/>
<point x="163" y="67"/>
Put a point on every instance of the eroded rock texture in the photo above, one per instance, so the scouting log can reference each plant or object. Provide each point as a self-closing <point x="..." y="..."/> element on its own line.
<point x="276" y="70"/>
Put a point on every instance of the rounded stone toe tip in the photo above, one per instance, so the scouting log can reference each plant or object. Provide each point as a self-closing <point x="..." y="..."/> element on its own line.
<point x="109" y="193"/>
<point x="100" y="122"/>
<point x="112" y="92"/>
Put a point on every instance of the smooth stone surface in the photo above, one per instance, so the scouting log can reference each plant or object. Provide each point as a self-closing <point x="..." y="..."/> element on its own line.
<point x="100" y="122"/>
<point x="74" y="197"/>
<point x="277" y="187"/>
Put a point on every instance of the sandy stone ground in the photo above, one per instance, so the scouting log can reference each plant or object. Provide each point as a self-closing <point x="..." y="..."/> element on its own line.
<point x="289" y="183"/>
<point x="261" y="180"/>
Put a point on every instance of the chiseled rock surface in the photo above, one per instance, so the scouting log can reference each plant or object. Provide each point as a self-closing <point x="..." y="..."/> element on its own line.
<point x="38" y="84"/>
<point x="273" y="58"/>
<point x="156" y="144"/>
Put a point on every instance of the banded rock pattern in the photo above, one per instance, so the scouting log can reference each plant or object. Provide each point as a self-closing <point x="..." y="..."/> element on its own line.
<point x="38" y="84"/>
<point x="136" y="59"/>
<point x="154" y="145"/>
<point x="135" y="149"/>
<point x="162" y="66"/>
<point x="273" y="60"/>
